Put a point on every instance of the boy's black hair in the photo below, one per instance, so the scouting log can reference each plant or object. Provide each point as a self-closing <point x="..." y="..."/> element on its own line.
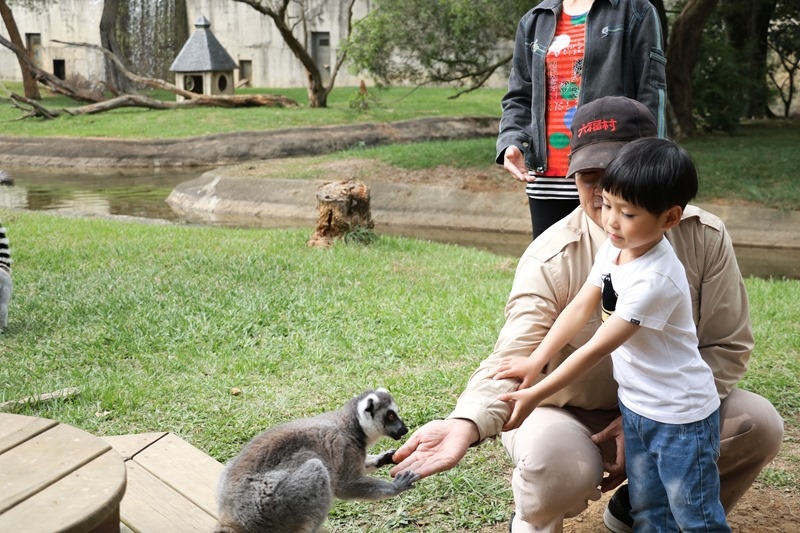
<point x="652" y="173"/>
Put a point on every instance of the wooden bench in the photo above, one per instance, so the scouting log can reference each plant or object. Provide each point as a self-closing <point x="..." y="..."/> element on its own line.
<point x="171" y="484"/>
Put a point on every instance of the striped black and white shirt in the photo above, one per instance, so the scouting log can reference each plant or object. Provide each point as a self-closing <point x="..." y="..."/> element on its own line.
<point x="5" y="252"/>
<point x="552" y="188"/>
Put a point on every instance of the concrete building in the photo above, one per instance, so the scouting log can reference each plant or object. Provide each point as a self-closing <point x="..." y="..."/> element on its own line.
<point x="261" y="55"/>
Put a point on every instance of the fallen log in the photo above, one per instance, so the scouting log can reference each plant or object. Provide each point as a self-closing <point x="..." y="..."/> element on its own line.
<point x="62" y="394"/>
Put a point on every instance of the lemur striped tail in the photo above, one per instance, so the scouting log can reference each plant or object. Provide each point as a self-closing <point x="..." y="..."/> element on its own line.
<point x="5" y="252"/>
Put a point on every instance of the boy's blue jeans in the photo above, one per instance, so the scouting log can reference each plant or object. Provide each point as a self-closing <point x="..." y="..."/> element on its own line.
<point x="672" y="474"/>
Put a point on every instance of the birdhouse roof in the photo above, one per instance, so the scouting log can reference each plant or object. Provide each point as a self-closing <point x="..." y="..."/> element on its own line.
<point x="202" y="52"/>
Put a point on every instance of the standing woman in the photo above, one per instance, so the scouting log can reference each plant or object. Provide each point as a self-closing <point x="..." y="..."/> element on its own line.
<point x="569" y="52"/>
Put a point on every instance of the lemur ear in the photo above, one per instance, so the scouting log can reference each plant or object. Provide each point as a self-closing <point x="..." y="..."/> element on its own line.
<point x="370" y="404"/>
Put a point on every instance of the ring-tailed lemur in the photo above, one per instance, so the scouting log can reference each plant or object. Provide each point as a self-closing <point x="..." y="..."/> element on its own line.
<point x="285" y="479"/>
<point x="6" y="286"/>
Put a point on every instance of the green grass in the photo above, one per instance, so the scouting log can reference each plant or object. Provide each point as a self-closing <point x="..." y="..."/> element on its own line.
<point x="394" y="104"/>
<point x="155" y="325"/>
<point x="759" y="165"/>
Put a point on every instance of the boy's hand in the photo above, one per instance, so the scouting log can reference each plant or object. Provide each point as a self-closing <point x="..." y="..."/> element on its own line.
<point x="523" y="403"/>
<point x="521" y="368"/>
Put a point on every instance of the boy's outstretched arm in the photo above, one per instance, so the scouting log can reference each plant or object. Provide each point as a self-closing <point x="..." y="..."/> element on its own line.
<point x="564" y="329"/>
<point x="610" y="336"/>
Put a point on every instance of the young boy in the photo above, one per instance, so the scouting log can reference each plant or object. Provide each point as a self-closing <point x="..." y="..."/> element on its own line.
<point x="667" y="397"/>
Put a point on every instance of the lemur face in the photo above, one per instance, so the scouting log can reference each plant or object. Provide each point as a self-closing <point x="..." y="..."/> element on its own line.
<point x="377" y="412"/>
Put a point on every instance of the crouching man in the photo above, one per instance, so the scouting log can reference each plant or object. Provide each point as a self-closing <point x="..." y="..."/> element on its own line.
<point x="576" y="434"/>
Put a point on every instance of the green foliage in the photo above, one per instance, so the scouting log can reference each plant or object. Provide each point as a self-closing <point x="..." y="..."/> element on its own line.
<point x="435" y="41"/>
<point x="784" y="62"/>
<point x="363" y="99"/>
<point x="718" y="82"/>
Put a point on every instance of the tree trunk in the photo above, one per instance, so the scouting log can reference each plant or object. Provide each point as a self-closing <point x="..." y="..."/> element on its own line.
<point x="343" y="208"/>
<point x="684" y="44"/>
<point x="28" y="81"/>
<point x="116" y="82"/>
<point x="747" y="27"/>
<point x="317" y="93"/>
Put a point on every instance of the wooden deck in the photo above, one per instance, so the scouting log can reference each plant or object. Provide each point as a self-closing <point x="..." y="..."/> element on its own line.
<point x="171" y="484"/>
<point x="56" y="477"/>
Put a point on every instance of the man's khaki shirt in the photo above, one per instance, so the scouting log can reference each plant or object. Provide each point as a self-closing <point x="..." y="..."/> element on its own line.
<point x="552" y="271"/>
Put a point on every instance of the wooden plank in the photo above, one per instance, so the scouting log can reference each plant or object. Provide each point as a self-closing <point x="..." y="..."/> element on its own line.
<point x="184" y="468"/>
<point x="44" y="459"/>
<point x="150" y="506"/>
<point x="129" y="445"/>
<point x="15" y="429"/>
<point x="77" y="503"/>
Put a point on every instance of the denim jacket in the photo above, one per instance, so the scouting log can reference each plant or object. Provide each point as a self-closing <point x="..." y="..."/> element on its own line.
<point x="623" y="56"/>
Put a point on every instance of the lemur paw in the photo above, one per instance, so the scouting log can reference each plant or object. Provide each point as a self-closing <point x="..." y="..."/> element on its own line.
<point x="385" y="458"/>
<point x="405" y="480"/>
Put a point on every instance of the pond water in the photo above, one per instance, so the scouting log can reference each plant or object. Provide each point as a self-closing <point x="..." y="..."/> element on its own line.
<point x="142" y="193"/>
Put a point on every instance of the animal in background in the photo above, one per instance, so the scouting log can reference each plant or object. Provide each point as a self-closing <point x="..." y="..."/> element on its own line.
<point x="284" y="480"/>
<point x="6" y="285"/>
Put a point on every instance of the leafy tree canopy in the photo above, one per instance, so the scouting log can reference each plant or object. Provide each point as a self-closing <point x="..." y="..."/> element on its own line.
<point x="435" y="41"/>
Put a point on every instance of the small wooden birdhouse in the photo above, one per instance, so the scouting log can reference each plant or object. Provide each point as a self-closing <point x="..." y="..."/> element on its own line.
<point x="203" y="66"/>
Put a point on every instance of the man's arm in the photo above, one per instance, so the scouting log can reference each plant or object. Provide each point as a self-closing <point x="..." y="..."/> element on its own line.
<point x="720" y="305"/>
<point x="611" y="335"/>
<point x="564" y="329"/>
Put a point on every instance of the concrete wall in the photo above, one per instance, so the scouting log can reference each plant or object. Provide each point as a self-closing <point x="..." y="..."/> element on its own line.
<point x="61" y="21"/>
<point x="245" y="34"/>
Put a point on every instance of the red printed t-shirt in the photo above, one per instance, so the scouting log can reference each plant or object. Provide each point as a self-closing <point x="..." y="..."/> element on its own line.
<point x="563" y="72"/>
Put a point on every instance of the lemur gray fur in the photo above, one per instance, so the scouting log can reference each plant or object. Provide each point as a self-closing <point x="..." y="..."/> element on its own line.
<point x="6" y="286"/>
<point x="284" y="480"/>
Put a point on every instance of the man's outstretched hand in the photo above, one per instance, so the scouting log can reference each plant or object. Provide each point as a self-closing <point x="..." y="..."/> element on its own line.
<point x="437" y="446"/>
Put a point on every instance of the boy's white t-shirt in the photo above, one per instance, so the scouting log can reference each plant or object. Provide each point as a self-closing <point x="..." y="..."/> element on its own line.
<point x="660" y="372"/>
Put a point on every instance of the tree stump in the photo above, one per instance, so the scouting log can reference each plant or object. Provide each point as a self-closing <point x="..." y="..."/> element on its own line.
<point x="343" y="207"/>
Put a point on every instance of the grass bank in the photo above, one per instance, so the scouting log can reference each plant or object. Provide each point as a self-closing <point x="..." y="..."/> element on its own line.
<point x="156" y="324"/>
